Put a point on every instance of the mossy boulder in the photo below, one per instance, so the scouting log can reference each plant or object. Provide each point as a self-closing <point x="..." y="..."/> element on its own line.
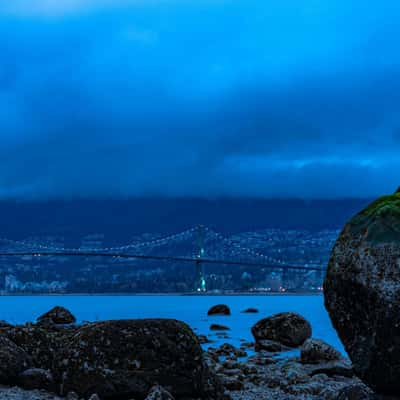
<point x="362" y="292"/>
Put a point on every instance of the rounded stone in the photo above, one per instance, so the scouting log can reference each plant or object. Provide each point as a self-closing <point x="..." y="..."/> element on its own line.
<point x="219" y="309"/>
<point x="362" y="293"/>
<point x="315" y="351"/>
<point x="57" y="315"/>
<point x="289" y="329"/>
<point x="125" y="358"/>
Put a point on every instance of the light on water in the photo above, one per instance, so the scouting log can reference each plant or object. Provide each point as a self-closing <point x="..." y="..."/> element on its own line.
<point x="190" y="309"/>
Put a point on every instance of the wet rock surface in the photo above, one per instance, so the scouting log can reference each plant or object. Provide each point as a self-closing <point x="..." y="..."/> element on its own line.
<point x="265" y="375"/>
<point x="362" y="293"/>
<point x="286" y="329"/>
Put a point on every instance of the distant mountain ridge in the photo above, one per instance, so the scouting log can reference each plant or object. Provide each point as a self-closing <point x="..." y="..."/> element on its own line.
<point x="122" y="218"/>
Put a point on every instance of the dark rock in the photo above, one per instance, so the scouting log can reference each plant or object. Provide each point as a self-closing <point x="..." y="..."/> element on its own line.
<point x="332" y="368"/>
<point x="362" y="293"/>
<point x="43" y="343"/>
<point x="94" y="396"/>
<point x="5" y="324"/>
<point x="219" y="309"/>
<point x="270" y="346"/>
<point x="217" y="327"/>
<point x="203" y="339"/>
<point x="126" y="358"/>
<point x="159" y="393"/>
<point x="289" y="329"/>
<point x="250" y="311"/>
<point x="315" y="351"/>
<point x="36" y="378"/>
<point x="13" y="361"/>
<point x="120" y="359"/>
<point x="57" y="315"/>
<point x="232" y="383"/>
<point x="355" y="392"/>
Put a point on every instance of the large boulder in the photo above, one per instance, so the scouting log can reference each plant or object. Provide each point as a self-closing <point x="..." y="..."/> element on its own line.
<point x="287" y="329"/>
<point x="127" y="357"/>
<point x="362" y="293"/>
<point x="115" y="359"/>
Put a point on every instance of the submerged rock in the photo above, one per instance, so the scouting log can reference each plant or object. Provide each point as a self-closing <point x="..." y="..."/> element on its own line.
<point x="219" y="309"/>
<point x="362" y="293"/>
<point x="58" y="316"/>
<point x="287" y="329"/>
<point x="250" y="311"/>
<point x="218" y="327"/>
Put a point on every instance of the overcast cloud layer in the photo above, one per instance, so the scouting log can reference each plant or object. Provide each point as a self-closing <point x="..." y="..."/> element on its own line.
<point x="274" y="98"/>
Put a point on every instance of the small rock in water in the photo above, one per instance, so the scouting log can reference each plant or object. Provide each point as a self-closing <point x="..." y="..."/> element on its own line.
<point x="315" y="351"/>
<point x="58" y="316"/>
<point x="217" y="327"/>
<point x="362" y="293"/>
<point x="219" y="309"/>
<point x="288" y="329"/>
<point x="250" y="311"/>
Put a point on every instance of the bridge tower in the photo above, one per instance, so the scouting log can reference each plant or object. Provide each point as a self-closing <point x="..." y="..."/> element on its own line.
<point x="200" y="285"/>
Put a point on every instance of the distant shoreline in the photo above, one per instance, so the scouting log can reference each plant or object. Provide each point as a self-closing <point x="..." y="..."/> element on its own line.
<point x="160" y="294"/>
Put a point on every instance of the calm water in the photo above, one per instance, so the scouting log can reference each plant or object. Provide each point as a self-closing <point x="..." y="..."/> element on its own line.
<point x="191" y="309"/>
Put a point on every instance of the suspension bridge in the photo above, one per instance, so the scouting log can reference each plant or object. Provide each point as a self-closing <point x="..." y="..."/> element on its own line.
<point x="198" y="245"/>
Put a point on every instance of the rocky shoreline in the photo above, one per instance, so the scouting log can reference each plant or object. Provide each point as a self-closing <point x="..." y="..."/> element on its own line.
<point x="149" y="359"/>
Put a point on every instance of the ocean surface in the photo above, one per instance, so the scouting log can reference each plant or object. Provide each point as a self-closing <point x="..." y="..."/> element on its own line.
<point x="191" y="309"/>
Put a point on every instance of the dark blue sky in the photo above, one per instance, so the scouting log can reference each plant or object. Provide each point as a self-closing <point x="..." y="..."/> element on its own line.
<point x="199" y="97"/>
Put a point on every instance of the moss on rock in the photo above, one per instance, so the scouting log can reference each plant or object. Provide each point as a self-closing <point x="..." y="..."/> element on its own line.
<point x="380" y="221"/>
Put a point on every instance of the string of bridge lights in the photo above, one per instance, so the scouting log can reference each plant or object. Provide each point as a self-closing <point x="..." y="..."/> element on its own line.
<point x="153" y="242"/>
<point x="245" y="249"/>
<point x="150" y="243"/>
